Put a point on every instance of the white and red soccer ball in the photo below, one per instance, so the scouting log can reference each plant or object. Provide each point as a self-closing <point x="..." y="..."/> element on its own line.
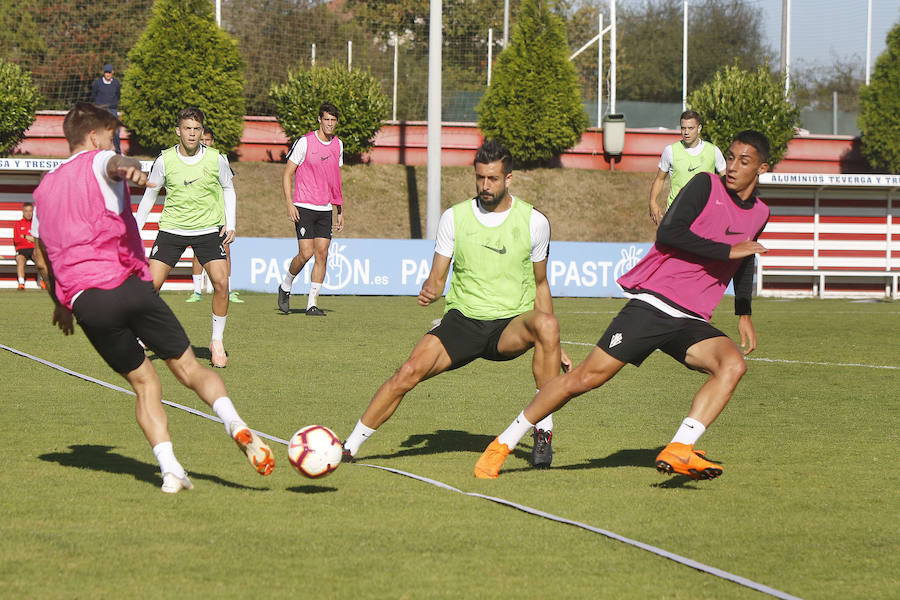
<point x="315" y="451"/>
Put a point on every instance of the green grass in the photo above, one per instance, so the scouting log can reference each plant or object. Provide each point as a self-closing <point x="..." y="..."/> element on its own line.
<point x="808" y="502"/>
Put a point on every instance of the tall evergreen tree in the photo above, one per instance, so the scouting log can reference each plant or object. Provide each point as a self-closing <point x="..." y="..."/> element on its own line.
<point x="736" y="99"/>
<point x="879" y="119"/>
<point x="182" y="59"/>
<point x="533" y="105"/>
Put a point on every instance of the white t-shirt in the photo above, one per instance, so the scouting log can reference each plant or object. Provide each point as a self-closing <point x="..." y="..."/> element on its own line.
<point x="539" y="226"/>
<point x="665" y="160"/>
<point x="158" y="178"/>
<point x="298" y="155"/>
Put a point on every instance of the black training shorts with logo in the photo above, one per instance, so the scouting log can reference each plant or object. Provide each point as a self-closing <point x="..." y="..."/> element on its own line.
<point x="466" y="339"/>
<point x="639" y="329"/>
<point x="169" y="247"/>
<point x="313" y="224"/>
<point x="113" y="320"/>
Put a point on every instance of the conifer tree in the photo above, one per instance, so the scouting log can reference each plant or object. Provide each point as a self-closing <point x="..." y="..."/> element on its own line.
<point x="533" y="105"/>
<point x="182" y="59"/>
<point x="879" y="118"/>
<point x="736" y="99"/>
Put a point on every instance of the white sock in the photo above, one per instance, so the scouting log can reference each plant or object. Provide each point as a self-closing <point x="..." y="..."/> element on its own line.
<point x="516" y="431"/>
<point x="689" y="432"/>
<point x="313" y="294"/>
<point x="165" y="456"/>
<point x="287" y="281"/>
<point x="360" y="434"/>
<point x="225" y="410"/>
<point x="198" y="283"/>
<point x="218" y="326"/>
<point x="22" y="280"/>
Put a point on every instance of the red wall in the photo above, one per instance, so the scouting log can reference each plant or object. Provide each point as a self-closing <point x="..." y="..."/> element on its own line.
<point x="406" y="143"/>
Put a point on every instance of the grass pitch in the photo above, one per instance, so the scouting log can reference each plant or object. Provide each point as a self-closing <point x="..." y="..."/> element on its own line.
<point x="807" y="504"/>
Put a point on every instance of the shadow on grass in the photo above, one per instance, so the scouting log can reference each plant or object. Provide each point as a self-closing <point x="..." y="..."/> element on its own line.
<point x="100" y="458"/>
<point x="311" y="489"/>
<point x="442" y="440"/>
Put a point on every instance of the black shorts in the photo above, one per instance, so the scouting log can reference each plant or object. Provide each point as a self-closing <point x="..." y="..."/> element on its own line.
<point x="169" y="248"/>
<point x="313" y="224"/>
<point x="28" y="253"/>
<point x="639" y="329"/>
<point x="113" y="319"/>
<point x="466" y="339"/>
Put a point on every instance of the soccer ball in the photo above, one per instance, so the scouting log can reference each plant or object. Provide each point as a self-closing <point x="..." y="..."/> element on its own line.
<point x="315" y="451"/>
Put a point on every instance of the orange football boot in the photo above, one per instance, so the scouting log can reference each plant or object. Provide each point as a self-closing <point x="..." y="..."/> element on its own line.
<point x="684" y="460"/>
<point x="258" y="452"/>
<point x="488" y="465"/>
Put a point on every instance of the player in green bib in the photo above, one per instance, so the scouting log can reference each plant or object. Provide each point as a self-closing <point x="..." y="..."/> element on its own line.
<point x="682" y="160"/>
<point x="199" y="199"/>
<point x="499" y="303"/>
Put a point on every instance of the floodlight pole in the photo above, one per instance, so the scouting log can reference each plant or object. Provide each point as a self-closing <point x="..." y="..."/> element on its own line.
<point x="599" y="69"/>
<point x="868" y="41"/>
<point x="219" y="13"/>
<point x="612" y="57"/>
<point x="684" y="57"/>
<point x="786" y="45"/>
<point x="490" y="53"/>
<point x="349" y="55"/>
<point x="394" y="109"/>
<point x="433" y="179"/>
<point x="505" y="22"/>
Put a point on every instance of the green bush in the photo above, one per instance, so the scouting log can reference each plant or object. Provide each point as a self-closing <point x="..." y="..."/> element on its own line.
<point x="736" y="99"/>
<point x="356" y="94"/>
<point x="533" y="105"/>
<point x="18" y="100"/>
<point x="182" y="59"/>
<point x="879" y="119"/>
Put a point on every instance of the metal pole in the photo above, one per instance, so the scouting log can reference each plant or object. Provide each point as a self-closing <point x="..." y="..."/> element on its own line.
<point x="433" y="180"/>
<point x="313" y="55"/>
<point x="786" y="44"/>
<point x="505" y="23"/>
<point x="600" y="70"/>
<point x="490" y="52"/>
<point x="834" y="113"/>
<point x="684" y="56"/>
<point x="349" y="55"/>
<point x="219" y="13"/>
<point x="868" y="41"/>
<point x="394" y="109"/>
<point x="612" y="57"/>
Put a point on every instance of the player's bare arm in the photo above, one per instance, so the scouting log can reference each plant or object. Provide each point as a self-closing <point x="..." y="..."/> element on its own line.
<point x="748" y="334"/>
<point x="655" y="213"/>
<point x="433" y="287"/>
<point x="120" y="168"/>
<point x="745" y="249"/>
<point x="62" y="316"/>
<point x="339" y="223"/>
<point x="287" y="185"/>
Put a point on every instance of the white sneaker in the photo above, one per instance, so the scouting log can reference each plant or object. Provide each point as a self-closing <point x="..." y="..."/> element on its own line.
<point x="172" y="483"/>
<point x="257" y="451"/>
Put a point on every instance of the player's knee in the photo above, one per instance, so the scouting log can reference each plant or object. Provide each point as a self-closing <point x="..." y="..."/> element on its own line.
<point x="406" y="377"/>
<point x="546" y="328"/>
<point x="733" y="367"/>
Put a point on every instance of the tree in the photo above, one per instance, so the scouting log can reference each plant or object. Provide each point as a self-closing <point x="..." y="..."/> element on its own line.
<point x="650" y="45"/>
<point x="533" y="105"/>
<point x="813" y="86"/>
<point x="18" y="99"/>
<point x="356" y="94"/>
<point x="182" y="59"/>
<point x="879" y="118"/>
<point x="736" y="99"/>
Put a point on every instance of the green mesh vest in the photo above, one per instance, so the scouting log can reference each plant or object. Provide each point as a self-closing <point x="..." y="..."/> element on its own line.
<point x="685" y="166"/>
<point x="493" y="277"/>
<point x="193" y="192"/>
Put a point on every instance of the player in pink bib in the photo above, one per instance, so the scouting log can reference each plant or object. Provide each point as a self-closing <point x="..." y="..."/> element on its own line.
<point x="97" y="271"/>
<point x="706" y="239"/>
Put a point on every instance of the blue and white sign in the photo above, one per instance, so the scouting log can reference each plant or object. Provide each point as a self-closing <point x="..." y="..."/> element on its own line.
<point x="398" y="267"/>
